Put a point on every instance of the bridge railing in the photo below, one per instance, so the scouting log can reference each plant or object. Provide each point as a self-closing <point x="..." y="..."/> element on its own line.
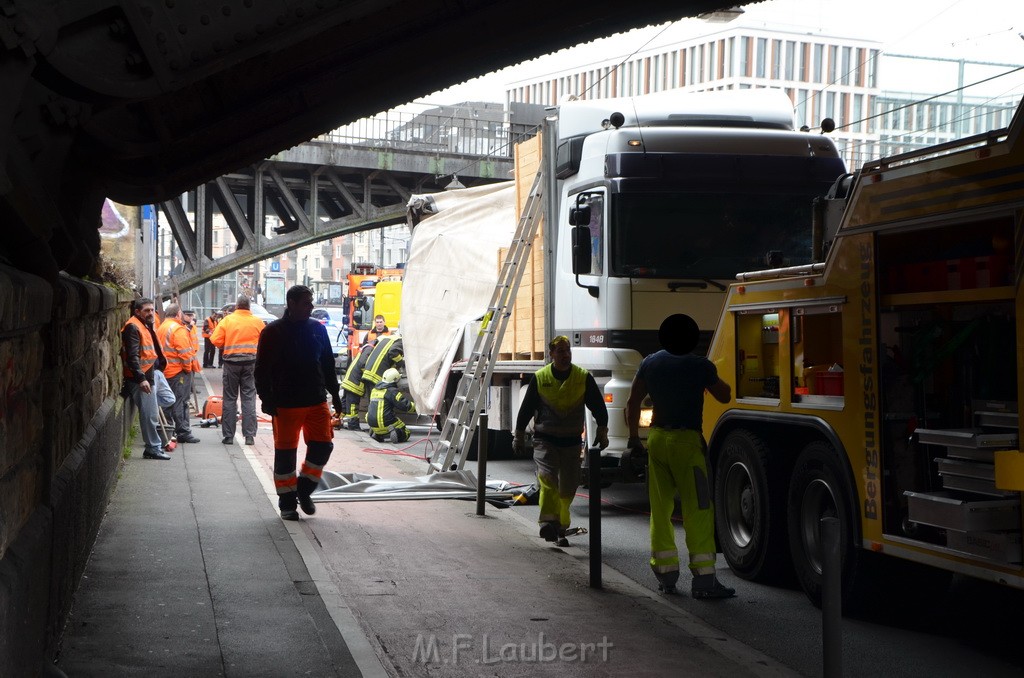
<point x="487" y="133"/>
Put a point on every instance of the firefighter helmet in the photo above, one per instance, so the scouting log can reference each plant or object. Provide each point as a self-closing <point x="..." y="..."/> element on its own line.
<point x="391" y="376"/>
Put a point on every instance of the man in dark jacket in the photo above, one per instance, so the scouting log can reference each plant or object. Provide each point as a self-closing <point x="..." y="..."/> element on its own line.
<point x="385" y="401"/>
<point x="141" y="357"/>
<point x="294" y="372"/>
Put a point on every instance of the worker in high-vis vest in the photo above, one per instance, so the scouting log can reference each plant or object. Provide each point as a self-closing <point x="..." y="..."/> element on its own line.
<point x="386" y="400"/>
<point x="238" y="335"/>
<point x="176" y="342"/>
<point x="209" y="350"/>
<point x="294" y="372"/>
<point x="555" y="399"/>
<point x="676" y="380"/>
<point x="353" y="388"/>
<point x="386" y="354"/>
<point x="141" y="357"/>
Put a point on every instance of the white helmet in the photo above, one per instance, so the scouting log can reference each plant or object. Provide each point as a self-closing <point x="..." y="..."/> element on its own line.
<point x="391" y="376"/>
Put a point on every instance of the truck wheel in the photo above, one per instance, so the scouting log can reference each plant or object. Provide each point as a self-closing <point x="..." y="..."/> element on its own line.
<point x="820" y="488"/>
<point x="750" y="509"/>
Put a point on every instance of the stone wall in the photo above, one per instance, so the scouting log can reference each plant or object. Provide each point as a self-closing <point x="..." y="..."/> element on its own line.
<point x="62" y="429"/>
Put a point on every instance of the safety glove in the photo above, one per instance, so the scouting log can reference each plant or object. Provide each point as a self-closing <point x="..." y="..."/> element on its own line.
<point x="519" y="443"/>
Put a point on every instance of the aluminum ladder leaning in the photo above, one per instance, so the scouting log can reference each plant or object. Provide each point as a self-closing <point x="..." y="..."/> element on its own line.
<point x="461" y="419"/>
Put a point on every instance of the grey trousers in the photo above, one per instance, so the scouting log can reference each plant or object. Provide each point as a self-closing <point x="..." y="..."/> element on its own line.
<point x="239" y="379"/>
<point x="145" y="403"/>
<point x="181" y="384"/>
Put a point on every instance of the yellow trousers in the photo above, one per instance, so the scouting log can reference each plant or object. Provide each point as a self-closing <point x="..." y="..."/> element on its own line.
<point x="677" y="464"/>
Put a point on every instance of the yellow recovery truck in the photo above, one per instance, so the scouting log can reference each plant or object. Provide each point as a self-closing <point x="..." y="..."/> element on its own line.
<point x="882" y="385"/>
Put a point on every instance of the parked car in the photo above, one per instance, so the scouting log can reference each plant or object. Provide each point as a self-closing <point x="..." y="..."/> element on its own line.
<point x="339" y="345"/>
<point x="333" y="320"/>
<point x="257" y="310"/>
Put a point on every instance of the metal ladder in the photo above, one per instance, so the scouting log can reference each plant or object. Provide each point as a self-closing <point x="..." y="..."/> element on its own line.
<point x="461" y="419"/>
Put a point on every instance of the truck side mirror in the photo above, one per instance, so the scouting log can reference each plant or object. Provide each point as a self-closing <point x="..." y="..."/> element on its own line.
<point x="357" y="316"/>
<point x="581" y="262"/>
<point x="579" y="215"/>
<point x="581" y="256"/>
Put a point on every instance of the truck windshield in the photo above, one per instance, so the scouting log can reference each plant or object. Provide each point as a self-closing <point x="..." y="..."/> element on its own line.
<point x="707" y="235"/>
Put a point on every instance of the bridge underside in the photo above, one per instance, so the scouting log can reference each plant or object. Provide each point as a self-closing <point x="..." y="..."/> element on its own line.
<point x="140" y="100"/>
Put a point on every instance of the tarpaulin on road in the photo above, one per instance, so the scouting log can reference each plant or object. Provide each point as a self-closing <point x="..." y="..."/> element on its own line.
<point x="445" y="485"/>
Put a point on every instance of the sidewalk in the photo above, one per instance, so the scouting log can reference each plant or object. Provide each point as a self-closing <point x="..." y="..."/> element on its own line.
<point x="194" y="574"/>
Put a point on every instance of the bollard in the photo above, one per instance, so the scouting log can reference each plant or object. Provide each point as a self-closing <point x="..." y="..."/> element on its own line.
<point x="481" y="463"/>
<point x="831" y="598"/>
<point x="594" y="478"/>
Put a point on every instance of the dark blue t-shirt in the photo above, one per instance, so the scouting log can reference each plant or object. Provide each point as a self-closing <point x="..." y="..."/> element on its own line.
<point x="676" y="384"/>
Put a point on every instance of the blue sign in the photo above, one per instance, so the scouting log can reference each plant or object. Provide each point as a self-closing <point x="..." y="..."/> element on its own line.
<point x="275" y="266"/>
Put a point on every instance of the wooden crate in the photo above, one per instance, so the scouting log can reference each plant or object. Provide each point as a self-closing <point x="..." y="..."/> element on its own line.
<point x="525" y="338"/>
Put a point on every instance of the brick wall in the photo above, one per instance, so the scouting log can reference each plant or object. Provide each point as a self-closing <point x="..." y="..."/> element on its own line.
<point x="62" y="428"/>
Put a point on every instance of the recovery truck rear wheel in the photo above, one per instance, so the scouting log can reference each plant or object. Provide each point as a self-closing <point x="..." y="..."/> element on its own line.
<point x="820" y="487"/>
<point x="750" y="509"/>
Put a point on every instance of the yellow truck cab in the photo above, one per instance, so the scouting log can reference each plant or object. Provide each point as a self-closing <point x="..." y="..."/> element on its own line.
<point x="881" y="385"/>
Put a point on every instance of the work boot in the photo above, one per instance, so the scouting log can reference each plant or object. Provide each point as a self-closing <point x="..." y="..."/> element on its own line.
<point x="155" y="454"/>
<point x="707" y="587"/>
<point x="549" y="531"/>
<point x="307" y="505"/>
<point x="352" y="424"/>
<point x="667" y="581"/>
<point x="289" y="514"/>
<point x="228" y="440"/>
<point x="378" y="437"/>
<point x="393" y="437"/>
<point x="188" y="438"/>
<point x="249" y="440"/>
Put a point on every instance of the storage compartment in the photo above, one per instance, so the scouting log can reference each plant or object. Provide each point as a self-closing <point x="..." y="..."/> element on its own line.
<point x="1003" y="547"/>
<point x="967" y="443"/>
<point x="947" y="510"/>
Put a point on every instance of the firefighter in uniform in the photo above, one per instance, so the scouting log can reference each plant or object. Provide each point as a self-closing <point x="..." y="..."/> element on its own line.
<point x="294" y="372"/>
<point x="140" y="358"/>
<point x="676" y="380"/>
<point x="176" y="342"/>
<point x="385" y="401"/>
<point x="353" y="388"/>
<point x="238" y="334"/>
<point x="209" y="350"/>
<point x="386" y="354"/>
<point x="555" y="400"/>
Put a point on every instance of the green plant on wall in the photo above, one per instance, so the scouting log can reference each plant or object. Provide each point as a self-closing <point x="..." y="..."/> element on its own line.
<point x="133" y="433"/>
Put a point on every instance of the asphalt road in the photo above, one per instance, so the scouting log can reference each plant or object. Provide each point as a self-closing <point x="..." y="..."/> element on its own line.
<point x="970" y="628"/>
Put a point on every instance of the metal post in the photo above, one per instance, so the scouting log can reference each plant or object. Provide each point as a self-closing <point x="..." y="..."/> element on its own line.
<point x="481" y="464"/>
<point x="594" y="478"/>
<point x="831" y="599"/>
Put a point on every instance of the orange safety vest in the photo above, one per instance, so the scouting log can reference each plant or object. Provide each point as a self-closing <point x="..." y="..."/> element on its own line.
<point x="177" y="352"/>
<point x="147" y="351"/>
<point x="208" y="326"/>
<point x="193" y="336"/>
<point x="238" y="334"/>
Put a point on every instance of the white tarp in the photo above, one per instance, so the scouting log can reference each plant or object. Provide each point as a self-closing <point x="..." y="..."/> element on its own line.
<point x="450" y="277"/>
<point x="443" y="485"/>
